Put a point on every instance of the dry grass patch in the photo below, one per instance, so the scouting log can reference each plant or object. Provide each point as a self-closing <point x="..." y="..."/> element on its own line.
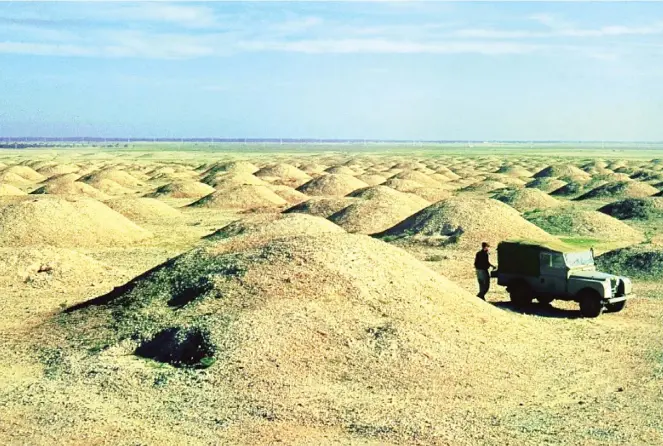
<point x="568" y="221"/>
<point x="621" y="189"/>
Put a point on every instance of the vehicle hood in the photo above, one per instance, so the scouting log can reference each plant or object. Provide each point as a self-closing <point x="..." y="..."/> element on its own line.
<point x="592" y="275"/>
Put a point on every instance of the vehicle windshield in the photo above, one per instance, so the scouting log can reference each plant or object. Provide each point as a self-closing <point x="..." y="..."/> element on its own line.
<point x="575" y="259"/>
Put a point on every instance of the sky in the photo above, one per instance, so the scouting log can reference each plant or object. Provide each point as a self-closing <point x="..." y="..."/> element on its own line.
<point x="378" y="70"/>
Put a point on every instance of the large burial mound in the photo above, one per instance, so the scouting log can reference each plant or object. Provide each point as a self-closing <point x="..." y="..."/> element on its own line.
<point x="335" y="185"/>
<point x="526" y="199"/>
<point x="635" y="209"/>
<point x="243" y="197"/>
<point x="592" y="224"/>
<point x="65" y="222"/>
<point x="276" y="225"/>
<point x="183" y="189"/>
<point x="325" y="334"/>
<point x="320" y="206"/>
<point x="644" y="262"/>
<point x="148" y="210"/>
<point x="620" y="189"/>
<point x="47" y="267"/>
<point x="72" y="188"/>
<point x="467" y="222"/>
<point x="378" y="208"/>
<point x="292" y="196"/>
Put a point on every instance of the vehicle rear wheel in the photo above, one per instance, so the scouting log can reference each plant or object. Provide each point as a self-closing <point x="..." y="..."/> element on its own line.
<point x="616" y="307"/>
<point x="520" y="294"/>
<point x="545" y="300"/>
<point x="590" y="303"/>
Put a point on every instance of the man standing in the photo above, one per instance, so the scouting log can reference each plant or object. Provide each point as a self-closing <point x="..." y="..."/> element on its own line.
<point x="482" y="264"/>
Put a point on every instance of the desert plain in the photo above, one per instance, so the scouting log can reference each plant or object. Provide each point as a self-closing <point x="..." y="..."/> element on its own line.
<point x="308" y="295"/>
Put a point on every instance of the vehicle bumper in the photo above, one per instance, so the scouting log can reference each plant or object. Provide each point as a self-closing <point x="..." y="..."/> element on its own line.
<point x="613" y="300"/>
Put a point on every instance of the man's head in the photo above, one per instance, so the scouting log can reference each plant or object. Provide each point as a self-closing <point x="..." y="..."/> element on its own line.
<point x="485" y="246"/>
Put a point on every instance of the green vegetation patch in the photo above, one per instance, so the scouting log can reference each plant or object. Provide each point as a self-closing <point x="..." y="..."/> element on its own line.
<point x="635" y="209"/>
<point x="639" y="262"/>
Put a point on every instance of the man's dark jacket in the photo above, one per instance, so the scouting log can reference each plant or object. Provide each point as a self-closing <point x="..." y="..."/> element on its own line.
<point x="481" y="260"/>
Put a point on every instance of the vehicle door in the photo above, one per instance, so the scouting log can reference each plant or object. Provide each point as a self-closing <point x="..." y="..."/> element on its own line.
<point x="553" y="274"/>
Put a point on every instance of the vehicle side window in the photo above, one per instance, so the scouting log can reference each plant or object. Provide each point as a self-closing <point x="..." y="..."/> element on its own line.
<point x="552" y="260"/>
<point x="558" y="261"/>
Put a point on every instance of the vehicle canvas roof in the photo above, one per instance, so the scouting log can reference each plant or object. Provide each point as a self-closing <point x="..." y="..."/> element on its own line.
<point x="555" y="246"/>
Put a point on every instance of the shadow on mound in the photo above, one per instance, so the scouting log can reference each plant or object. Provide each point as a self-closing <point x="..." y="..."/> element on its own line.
<point x="179" y="347"/>
<point x="540" y="310"/>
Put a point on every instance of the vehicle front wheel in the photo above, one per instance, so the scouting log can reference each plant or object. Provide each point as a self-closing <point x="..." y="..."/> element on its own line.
<point x="616" y="307"/>
<point x="520" y="294"/>
<point x="590" y="303"/>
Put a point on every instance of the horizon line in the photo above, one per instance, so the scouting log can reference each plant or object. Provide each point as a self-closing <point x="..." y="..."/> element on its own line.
<point x="212" y="139"/>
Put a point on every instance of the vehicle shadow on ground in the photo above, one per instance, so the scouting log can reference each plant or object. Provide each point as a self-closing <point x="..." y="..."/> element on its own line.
<point x="542" y="310"/>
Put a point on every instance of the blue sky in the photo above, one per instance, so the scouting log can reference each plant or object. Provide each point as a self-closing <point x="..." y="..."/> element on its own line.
<point x="410" y="70"/>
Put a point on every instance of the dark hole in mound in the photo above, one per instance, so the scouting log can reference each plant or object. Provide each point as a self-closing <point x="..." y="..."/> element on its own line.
<point x="188" y="293"/>
<point x="179" y="347"/>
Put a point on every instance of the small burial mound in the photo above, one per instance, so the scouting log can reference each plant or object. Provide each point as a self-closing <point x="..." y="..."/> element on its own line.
<point x="546" y="184"/>
<point x="25" y="172"/>
<point x="64" y="178"/>
<point x="243" y="197"/>
<point x="378" y="208"/>
<point x="47" y="267"/>
<point x="372" y="179"/>
<point x="58" y="169"/>
<point x="642" y="262"/>
<point x="65" y="222"/>
<point x="417" y="176"/>
<point x="72" y="188"/>
<point x="321" y="207"/>
<point x="230" y="180"/>
<point x="484" y="186"/>
<point x="524" y="200"/>
<point x="183" y="189"/>
<point x="143" y="209"/>
<point x="635" y="209"/>
<point x="268" y="226"/>
<point x="118" y="176"/>
<point x="14" y="179"/>
<point x="467" y="222"/>
<point x="284" y="172"/>
<point x="341" y="170"/>
<point x="235" y="167"/>
<point x="620" y="189"/>
<point x="572" y="188"/>
<point x="8" y="189"/>
<point x="110" y="187"/>
<point x="292" y="196"/>
<point x="333" y="185"/>
<point x="328" y="320"/>
<point x="591" y="224"/>
<point x="514" y="171"/>
<point x="562" y="171"/>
